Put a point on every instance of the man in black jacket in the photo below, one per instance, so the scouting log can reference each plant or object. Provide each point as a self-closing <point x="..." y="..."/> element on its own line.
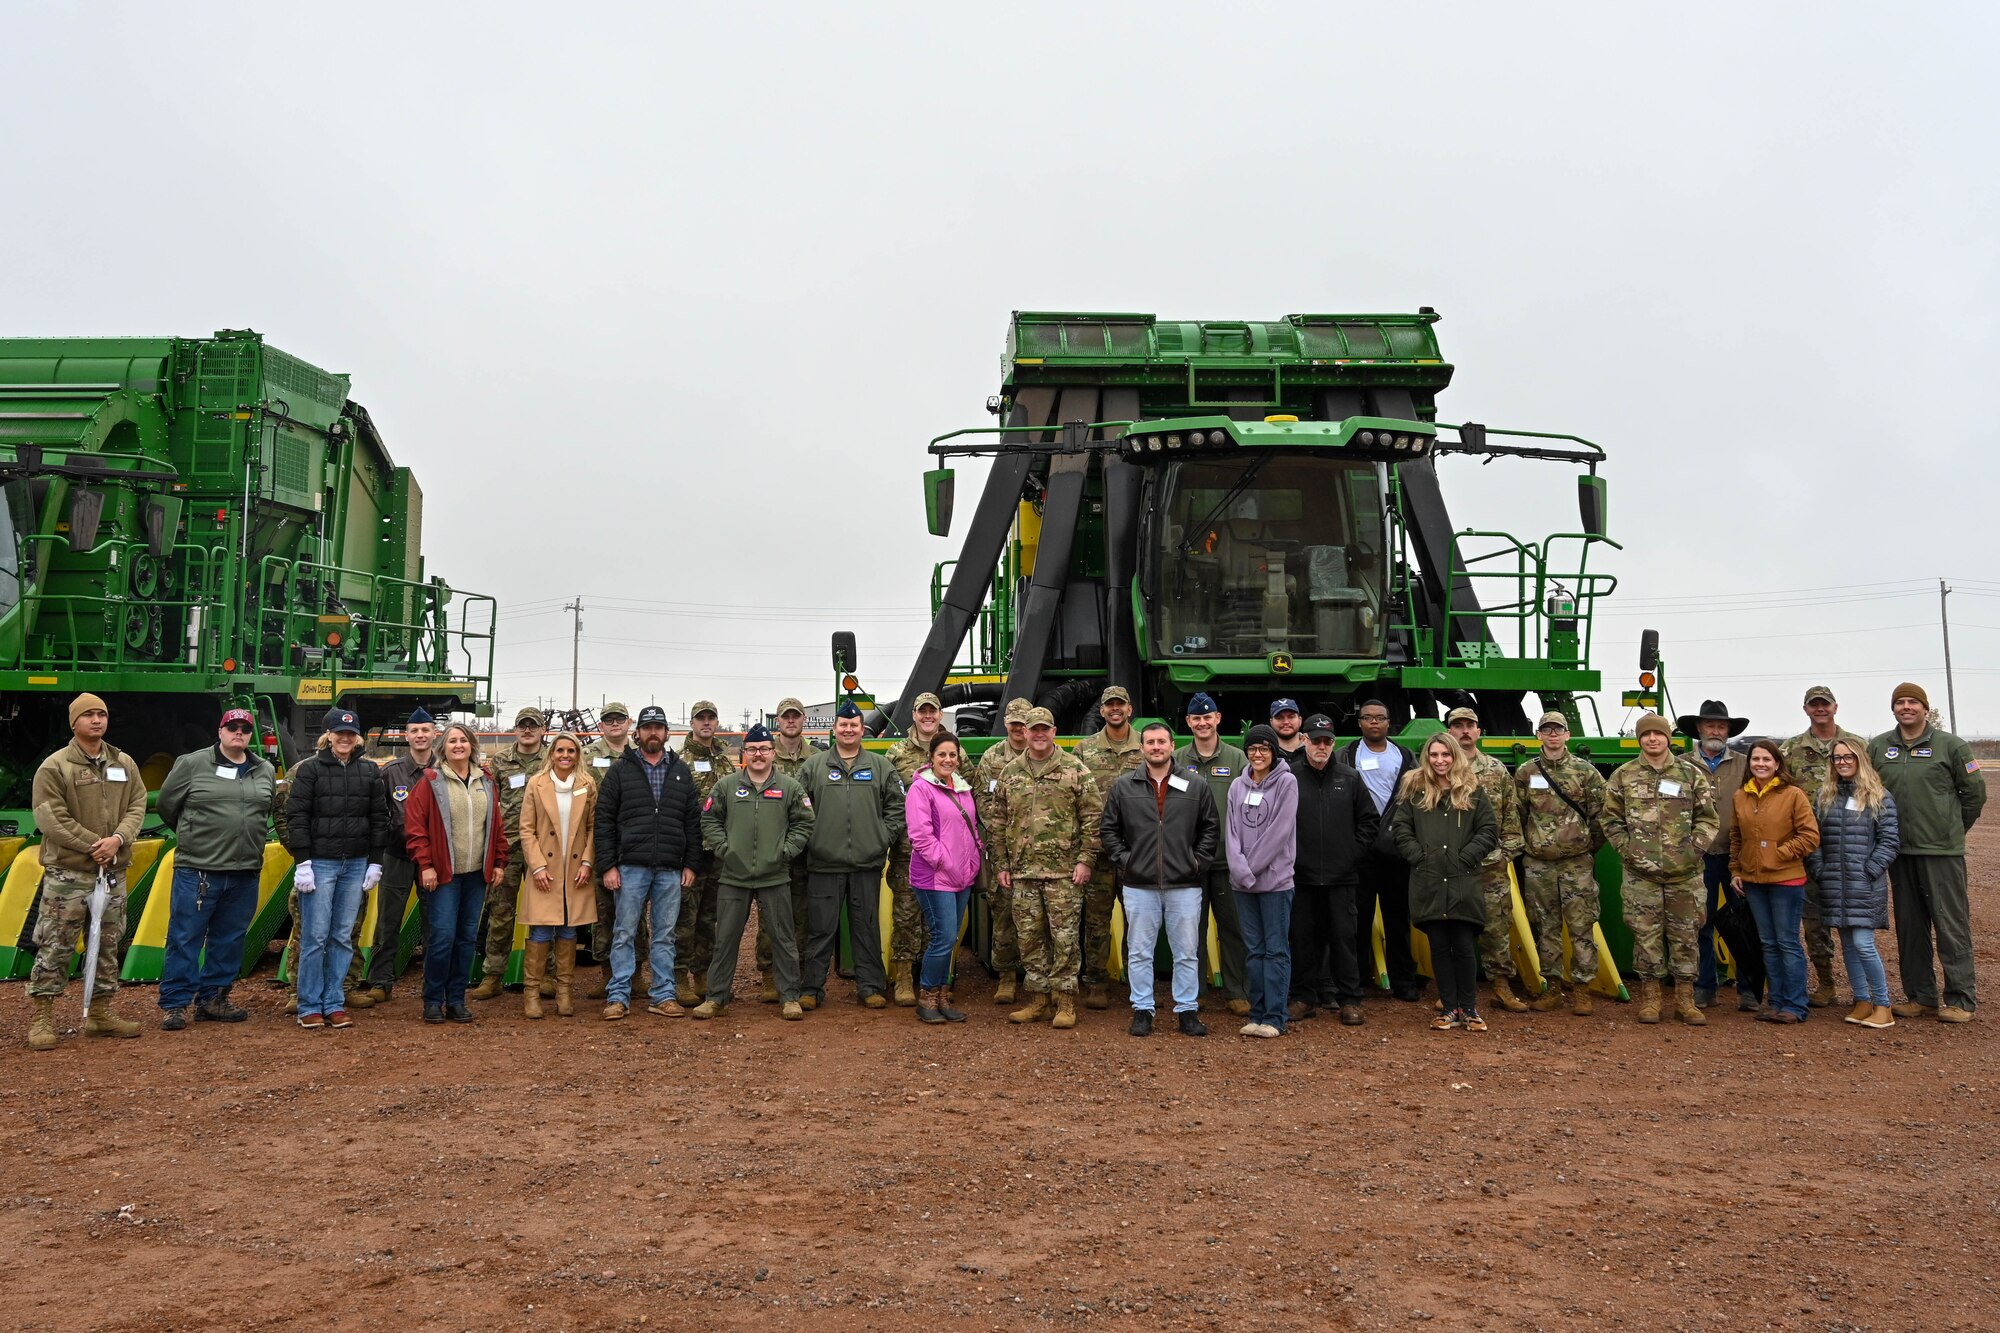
<point x="649" y="845"/>
<point x="1160" y="829"/>
<point x="336" y="828"/>
<point x="1337" y="823"/>
<point x="1385" y="878"/>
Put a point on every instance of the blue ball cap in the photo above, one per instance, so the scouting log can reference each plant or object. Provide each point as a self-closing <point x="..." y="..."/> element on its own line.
<point x="420" y="715"/>
<point x="1284" y="706"/>
<point x="759" y="734"/>
<point x="1200" y="704"/>
<point x="847" y="709"/>
<point x="339" y="719"/>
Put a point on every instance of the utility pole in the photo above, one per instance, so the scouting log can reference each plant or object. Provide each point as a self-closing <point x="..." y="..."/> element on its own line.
<point x="1944" y="623"/>
<point x="575" y="647"/>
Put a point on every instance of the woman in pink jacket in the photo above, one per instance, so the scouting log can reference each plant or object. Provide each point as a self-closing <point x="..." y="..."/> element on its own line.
<point x="944" y="862"/>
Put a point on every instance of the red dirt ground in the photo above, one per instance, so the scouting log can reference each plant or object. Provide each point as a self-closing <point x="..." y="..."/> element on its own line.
<point x="862" y="1170"/>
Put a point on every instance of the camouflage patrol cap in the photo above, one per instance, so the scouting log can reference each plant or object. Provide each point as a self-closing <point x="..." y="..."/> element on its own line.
<point x="1456" y="714"/>
<point x="1018" y="710"/>
<point x="1653" y="722"/>
<point x="1114" y="693"/>
<point x="1552" y="719"/>
<point x="704" y="706"/>
<point x="790" y="705"/>
<point x="926" y="698"/>
<point x="1040" y="717"/>
<point x="1820" y="692"/>
<point x="531" y="714"/>
<point x="614" y="709"/>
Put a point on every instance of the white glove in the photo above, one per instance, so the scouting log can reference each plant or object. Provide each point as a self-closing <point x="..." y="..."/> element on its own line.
<point x="302" y="878"/>
<point x="370" y="878"/>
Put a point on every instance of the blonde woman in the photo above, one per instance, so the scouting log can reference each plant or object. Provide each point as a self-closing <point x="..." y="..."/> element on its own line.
<point x="1858" y="839"/>
<point x="558" y="824"/>
<point x="1444" y="827"/>
<point x="458" y="843"/>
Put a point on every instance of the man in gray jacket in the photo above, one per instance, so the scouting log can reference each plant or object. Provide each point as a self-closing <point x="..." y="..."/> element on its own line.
<point x="1160" y="829"/>
<point x="218" y="803"/>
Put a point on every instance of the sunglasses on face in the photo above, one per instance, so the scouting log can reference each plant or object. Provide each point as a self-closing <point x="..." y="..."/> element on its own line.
<point x="243" y="727"/>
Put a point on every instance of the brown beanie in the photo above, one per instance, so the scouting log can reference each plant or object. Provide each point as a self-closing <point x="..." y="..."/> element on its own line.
<point x="82" y="704"/>
<point x="1653" y="722"/>
<point x="1910" y="690"/>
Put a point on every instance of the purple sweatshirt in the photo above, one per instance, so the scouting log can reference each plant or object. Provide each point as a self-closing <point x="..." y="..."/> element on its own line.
<point x="944" y="851"/>
<point x="1263" y="831"/>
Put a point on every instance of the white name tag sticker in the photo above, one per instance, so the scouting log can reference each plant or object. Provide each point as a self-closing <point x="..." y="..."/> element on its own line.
<point x="602" y="761"/>
<point x="1371" y="763"/>
<point x="517" y="781"/>
<point x="1538" y="782"/>
<point x="227" y="771"/>
<point x="1670" y="788"/>
<point x="115" y="773"/>
<point x="1254" y="798"/>
<point x="703" y="766"/>
<point x="1177" y="782"/>
<point x="1854" y="803"/>
<point x="992" y="785"/>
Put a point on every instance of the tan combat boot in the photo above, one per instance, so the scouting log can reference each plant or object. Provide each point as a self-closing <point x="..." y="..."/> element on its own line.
<point x="690" y="989"/>
<point x="1004" y="992"/>
<point x="906" y="987"/>
<point x="1685" y="1008"/>
<point x="565" y="954"/>
<point x="534" y="962"/>
<point x="1579" y="1000"/>
<point x="42" y="1027"/>
<point x="1503" y="995"/>
<point x="1551" y="997"/>
<point x="769" y="994"/>
<point x="602" y="986"/>
<point x="489" y="986"/>
<point x="1649" y="1000"/>
<point x="101" y="1022"/>
<point x="1097" y="995"/>
<point x="1065" y="1011"/>
<point x="1034" y="1011"/>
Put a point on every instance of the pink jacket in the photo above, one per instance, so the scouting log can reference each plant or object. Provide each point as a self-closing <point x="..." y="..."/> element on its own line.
<point x="944" y="850"/>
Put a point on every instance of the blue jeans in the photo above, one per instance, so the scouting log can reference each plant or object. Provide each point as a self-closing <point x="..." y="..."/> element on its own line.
<point x="211" y="913"/>
<point x="639" y="886"/>
<point x="1714" y="874"/>
<point x="550" y="934"/>
<point x="451" y="931"/>
<point x="1779" y="909"/>
<point x="1267" y="947"/>
<point x="942" y="912"/>
<point x="1145" y="910"/>
<point x="326" y="933"/>
<point x="1864" y="966"/>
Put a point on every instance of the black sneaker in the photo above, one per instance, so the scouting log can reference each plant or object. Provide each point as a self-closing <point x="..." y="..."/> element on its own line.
<point x="175" y="1020"/>
<point x="1192" y="1026"/>
<point x="433" y="1013"/>
<point x="458" y="1013"/>
<point x="1142" y="1023"/>
<point x="218" y="1009"/>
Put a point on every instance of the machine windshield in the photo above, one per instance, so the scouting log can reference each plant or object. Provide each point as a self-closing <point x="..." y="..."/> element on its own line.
<point x="1276" y="553"/>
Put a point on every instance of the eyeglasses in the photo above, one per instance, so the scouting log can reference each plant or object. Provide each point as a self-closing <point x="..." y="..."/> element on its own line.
<point x="243" y="727"/>
<point x="1847" y="759"/>
<point x="1374" y="717"/>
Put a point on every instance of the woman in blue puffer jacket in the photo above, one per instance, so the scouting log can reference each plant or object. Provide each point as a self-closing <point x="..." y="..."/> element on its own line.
<point x="1857" y="841"/>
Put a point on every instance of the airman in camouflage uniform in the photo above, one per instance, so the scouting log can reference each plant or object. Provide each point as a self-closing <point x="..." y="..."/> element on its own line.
<point x="1559" y="860"/>
<point x="1111" y="750"/>
<point x="1659" y="812"/>
<point x="908" y="935"/>
<point x="1046" y="810"/>
<point x="1809" y="756"/>
<point x="511" y="767"/>
<point x="792" y="749"/>
<point x="1495" y="955"/>
<point x="614" y="738"/>
<point x="694" y="935"/>
<point x="1006" y="951"/>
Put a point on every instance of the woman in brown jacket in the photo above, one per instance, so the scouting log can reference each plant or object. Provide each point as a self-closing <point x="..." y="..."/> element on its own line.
<point x="558" y="826"/>
<point x="1772" y="830"/>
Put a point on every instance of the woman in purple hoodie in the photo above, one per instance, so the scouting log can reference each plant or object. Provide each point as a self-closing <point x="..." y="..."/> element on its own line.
<point x="944" y="861"/>
<point x="1262" y="841"/>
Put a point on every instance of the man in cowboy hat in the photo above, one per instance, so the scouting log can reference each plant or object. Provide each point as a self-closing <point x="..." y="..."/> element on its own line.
<point x="1711" y="729"/>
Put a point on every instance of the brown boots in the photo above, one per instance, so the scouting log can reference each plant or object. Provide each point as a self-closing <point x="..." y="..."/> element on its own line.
<point x="1005" y="992"/>
<point x="1685" y="1008"/>
<point x="489" y="986"/>
<point x="565" y="955"/>
<point x="1579" y="1000"/>
<point x="1503" y="995"/>
<point x="1551" y="997"/>
<point x="1034" y="1011"/>
<point x="1065" y="1011"/>
<point x="906" y="986"/>
<point x="534" y="962"/>
<point x="101" y="1022"/>
<point x="42" y="1027"/>
<point x="1096" y="995"/>
<point x="1649" y="1000"/>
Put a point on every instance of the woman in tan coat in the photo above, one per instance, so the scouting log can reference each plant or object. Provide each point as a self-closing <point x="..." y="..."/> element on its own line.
<point x="1769" y="837"/>
<point x="558" y="825"/>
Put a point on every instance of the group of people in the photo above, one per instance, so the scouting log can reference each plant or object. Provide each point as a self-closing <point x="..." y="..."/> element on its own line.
<point x="1289" y="844"/>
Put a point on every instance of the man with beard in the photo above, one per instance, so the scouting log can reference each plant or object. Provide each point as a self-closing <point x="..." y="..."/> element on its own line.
<point x="649" y="838"/>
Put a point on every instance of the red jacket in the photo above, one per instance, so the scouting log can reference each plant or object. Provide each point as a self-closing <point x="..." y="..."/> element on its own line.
<point x="424" y="830"/>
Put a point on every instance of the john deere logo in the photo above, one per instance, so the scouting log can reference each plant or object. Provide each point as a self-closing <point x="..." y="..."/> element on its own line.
<point x="1281" y="664"/>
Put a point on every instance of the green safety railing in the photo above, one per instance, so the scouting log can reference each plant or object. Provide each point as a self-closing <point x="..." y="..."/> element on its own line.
<point x="418" y="644"/>
<point x="1522" y="595"/>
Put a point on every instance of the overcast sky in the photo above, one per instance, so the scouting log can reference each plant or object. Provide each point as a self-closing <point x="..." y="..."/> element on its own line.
<point x="663" y="303"/>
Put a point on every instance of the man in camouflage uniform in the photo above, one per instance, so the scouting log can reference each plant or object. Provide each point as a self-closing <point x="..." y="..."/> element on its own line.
<point x="1006" y="951"/>
<point x="511" y="767"/>
<point x="694" y="934"/>
<point x="89" y="803"/>
<point x="790" y="750"/>
<point x="908" y="936"/>
<point x="1560" y="803"/>
<point x="614" y="737"/>
<point x="1495" y="955"/>
<point x="1218" y="763"/>
<point x="1111" y="750"/>
<point x="1809" y="756"/>
<point x="1046" y="810"/>
<point x="1659" y="812"/>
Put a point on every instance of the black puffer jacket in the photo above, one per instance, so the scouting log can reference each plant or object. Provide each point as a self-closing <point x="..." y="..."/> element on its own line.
<point x="1337" y="823"/>
<point x="1852" y="860"/>
<point x="635" y="830"/>
<point x="337" y="811"/>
